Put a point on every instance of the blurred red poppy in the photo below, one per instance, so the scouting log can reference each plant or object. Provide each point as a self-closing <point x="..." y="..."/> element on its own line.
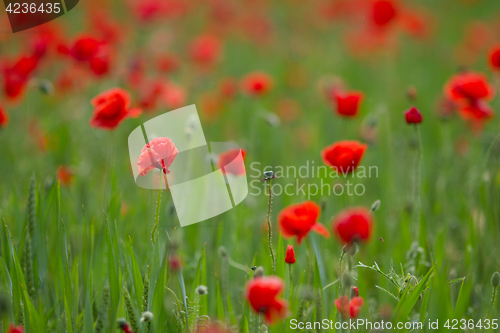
<point x="349" y="308"/>
<point x="495" y="57"/>
<point x="16" y="76"/>
<point x="257" y="83"/>
<point x="297" y="220"/>
<point x="205" y="50"/>
<point x="159" y="153"/>
<point x="227" y="162"/>
<point x="468" y="86"/>
<point x="262" y="294"/>
<point x="413" y="116"/>
<point x="348" y="103"/>
<point x="110" y="108"/>
<point x="353" y="224"/>
<point x="15" y="329"/>
<point x="84" y="48"/>
<point x="64" y="175"/>
<point x="344" y="156"/>
<point x="290" y="255"/>
<point x="383" y="12"/>
<point x="4" y="117"/>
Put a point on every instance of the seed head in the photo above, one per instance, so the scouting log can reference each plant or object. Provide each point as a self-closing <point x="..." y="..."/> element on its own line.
<point x="146" y="317"/>
<point x="259" y="272"/>
<point x="201" y="290"/>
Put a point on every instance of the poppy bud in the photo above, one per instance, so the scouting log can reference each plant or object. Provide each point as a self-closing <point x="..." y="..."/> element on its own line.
<point x="222" y="251"/>
<point x="123" y="325"/>
<point x="46" y="87"/>
<point x="175" y="262"/>
<point x="413" y="116"/>
<point x="495" y="279"/>
<point x="259" y="272"/>
<point x="411" y="92"/>
<point x="268" y="174"/>
<point x="146" y="317"/>
<point x="290" y="255"/>
<point x="354" y="291"/>
<point x="254" y="268"/>
<point x="375" y="206"/>
<point x="201" y="290"/>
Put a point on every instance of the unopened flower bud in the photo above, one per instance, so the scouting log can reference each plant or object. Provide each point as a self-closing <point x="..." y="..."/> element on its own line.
<point x="495" y="279"/>
<point x="222" y="251"/>
<point x="46" y="87"/>
<point x="201" y="290"/>
<point x="146" y="317"/>
<point x="354" y="291"/>
<point x="375" y="206"/>
<point x="268" y="174"/>
<point x="122" y="323"/>
<point x="259" y="272"/>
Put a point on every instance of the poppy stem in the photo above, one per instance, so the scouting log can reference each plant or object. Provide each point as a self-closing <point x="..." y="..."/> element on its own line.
<point x="157" y="217"/>
<point x="291" y="281"/>
<point x="418" y="158"/>
<point x="269" y="227"/>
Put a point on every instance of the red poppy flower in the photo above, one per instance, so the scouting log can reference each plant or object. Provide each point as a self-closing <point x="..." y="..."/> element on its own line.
<point x="468" y="86"/>
<point x="344" y="156"/>
<point x="84" y="48"/>
<point x="100" y="62"/>
<point x="348" y="103"/>
<point x="15" y="329"/>
<point x="257" y="83"/>
<point x="262" y="294"/>
<point x="297" y="220"/>
<point x="349" y="308"/>
<point x="16" y="76"/>
<point x="174" y="96"/>
<point x="227" y="165"/>
<point x="413" y="116"/>
<point x="4" y="117"/>
<point x="228" y="87"/>
<point x="159" y="153"/>
<point x="290" y="255"/>
<point x="495" y="57"/>
<point x="205" y="50"/>
<point x="110" y="108"/>
<point x="383" y="12"/>
<point x="353" y="224"/>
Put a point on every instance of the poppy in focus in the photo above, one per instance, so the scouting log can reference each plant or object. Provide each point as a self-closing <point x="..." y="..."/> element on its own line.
<point x="297" y="220"/>
<point x="110" y="108"/>
<point x="348" y="103"/>
<point x="263" y="295"/>
<point x="413" y="116"/>
<point x="290" y="255"/>
<point x="344" y="156"/>
<point x="353" y="224"/>
<point x="159" y="153"/>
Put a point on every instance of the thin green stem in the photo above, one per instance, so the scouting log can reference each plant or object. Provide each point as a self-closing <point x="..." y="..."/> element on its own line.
<point x="291" y="281"/>
<point x="270" y="228"/>
<point x="417" y="203"/>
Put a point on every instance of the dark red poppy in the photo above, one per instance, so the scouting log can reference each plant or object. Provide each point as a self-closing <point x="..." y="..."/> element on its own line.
<point x="349" y="308"/>
<point x="4" y="117"/>
<point x="297" y="220"/>
<point x="100" y="62"/>
<point x="159" y="153"/>
<point x="205" y="50"/>
<point x="383" y="12"/>
<point x="413" y="116"/>
<point x="229" y="165"/>
<point x="290" y="255"/>
<point x="110" y="108"/>
<point x="468" y="86"/>
<point x="353" y="224"/>
<point x="84" y="48"/>
<point x="348" y="103"/>
<point x="16" y="75"/>
<point x="263" y="295"/>
<point x="257" y="83"/>
<point x="495" y="57"/>
<point x="344" y="156"/>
